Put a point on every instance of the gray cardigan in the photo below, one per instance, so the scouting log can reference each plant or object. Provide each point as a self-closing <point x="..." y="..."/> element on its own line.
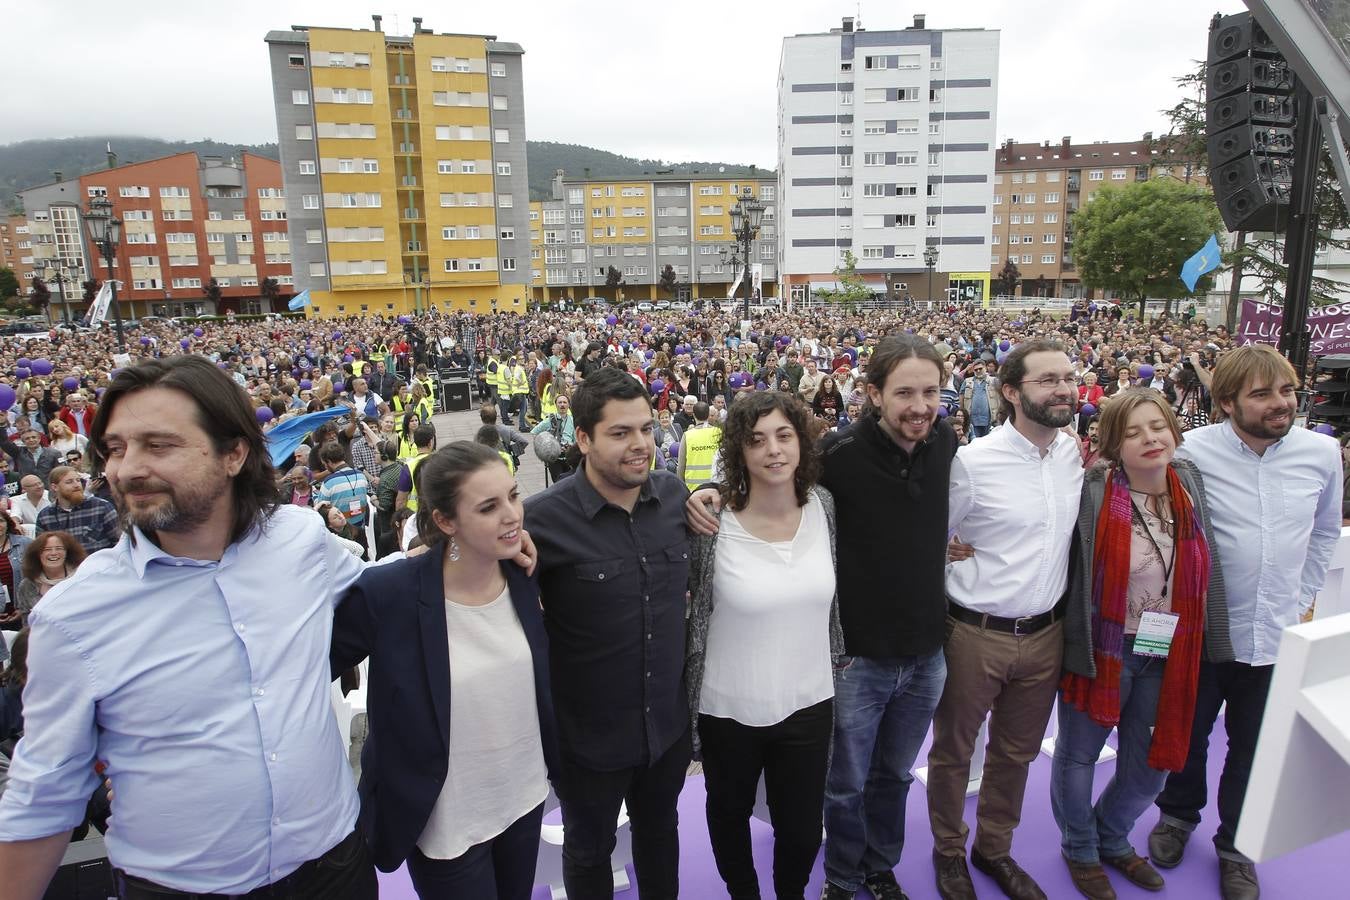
<point x="1078" y="612"/>
<point x="704" y="555"/>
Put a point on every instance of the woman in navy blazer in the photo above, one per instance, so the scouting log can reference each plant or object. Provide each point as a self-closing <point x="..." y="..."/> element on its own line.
<point x="461" y="746"/>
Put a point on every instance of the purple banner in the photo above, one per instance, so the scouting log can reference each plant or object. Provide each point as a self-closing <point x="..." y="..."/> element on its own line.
<point x="1328" y="326"/>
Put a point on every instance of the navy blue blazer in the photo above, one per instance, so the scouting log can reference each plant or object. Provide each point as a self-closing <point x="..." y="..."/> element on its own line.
<point x="395" y="614"/>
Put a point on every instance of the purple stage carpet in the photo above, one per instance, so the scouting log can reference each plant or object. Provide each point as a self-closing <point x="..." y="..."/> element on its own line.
<point x="1314" y="873"/>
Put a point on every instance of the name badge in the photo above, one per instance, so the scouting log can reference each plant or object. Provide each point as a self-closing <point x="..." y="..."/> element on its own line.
<point x="1154" y="637"/>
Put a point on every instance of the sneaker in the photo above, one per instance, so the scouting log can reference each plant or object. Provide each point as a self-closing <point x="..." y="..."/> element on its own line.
<point x="832" y="891"/>
<point x="884" y="886"/>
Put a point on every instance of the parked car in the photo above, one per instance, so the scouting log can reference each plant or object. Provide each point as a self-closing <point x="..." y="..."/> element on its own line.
<point x="663" y="304"/>
<point x="644" y="306"/>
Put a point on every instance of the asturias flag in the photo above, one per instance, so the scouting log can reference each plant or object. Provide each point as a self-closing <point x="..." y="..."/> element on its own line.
<point x="1207" y="259"/>
<point x="299" y="301"/>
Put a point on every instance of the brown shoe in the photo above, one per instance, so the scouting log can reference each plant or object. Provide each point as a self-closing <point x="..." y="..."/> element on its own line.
<point x="953" y="878"/>
<point x="1091" y="881"/>
<point x="1012" y="879"/>
<point x="1136" y="868"/>
<point x="1237" y="880"/>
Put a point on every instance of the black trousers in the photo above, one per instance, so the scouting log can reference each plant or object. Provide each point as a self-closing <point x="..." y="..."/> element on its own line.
<point x="500" y="868"/>
<point x="590" y="812"/>
<point x="343" y="873"/>
<point x="793" y="756"/>
<point x="1244" y="688"/>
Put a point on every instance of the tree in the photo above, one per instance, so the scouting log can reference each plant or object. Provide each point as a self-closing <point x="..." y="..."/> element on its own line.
<point x="269" y="290"/>
<point x="91" y="289"/>
<point x="670" y="281"/>
<point x="1134" y="240"/>
<point x="9" y="283"/>
<point x="1008" y="278"/>
<point x="613" y="277"/>
<point x="212" y="291"/>
<point x="852" y="289"/>
<point x="41" y="296"/>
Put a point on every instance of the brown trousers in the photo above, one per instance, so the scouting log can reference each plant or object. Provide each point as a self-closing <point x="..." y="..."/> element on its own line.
<point x="1016" y="678"/>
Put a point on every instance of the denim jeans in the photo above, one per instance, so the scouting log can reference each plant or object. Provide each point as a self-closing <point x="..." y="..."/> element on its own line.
<point x="882" y="710"/>
<point x="1244" y="688"/>
<point x="1090" y="832"/>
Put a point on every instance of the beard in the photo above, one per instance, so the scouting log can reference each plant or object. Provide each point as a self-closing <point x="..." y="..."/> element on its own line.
<point x="176" y="510"/>
<point x="1045" y="413"/>
<point x="1258" y="428"/>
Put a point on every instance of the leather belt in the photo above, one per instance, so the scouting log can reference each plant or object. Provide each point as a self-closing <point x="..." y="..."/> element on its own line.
<point x="1022" y="626"/>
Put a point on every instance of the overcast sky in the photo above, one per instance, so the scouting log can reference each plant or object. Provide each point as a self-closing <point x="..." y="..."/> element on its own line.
<point x="697" y="83"/>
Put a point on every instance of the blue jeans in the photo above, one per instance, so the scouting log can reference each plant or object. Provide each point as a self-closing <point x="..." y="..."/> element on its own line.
<point x="882" y="710"/>
<point x="1090" y="832"/>
<point x="979" y="431"/>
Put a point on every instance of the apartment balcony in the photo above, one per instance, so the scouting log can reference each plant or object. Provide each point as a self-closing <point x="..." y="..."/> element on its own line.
<point x="411" y="215"/>
<point x="404" y="115"/>
<point x="1073" y="184"/>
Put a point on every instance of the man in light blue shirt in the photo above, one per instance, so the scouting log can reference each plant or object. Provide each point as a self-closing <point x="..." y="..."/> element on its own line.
<point x="192" y="658"/>
<point x="1274" y="495"/>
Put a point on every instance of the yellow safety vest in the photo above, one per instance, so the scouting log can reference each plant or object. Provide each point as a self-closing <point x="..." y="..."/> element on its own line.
<point x="407" y="450"/>
<point x="494" y="372"/>
<point x="548" y="404"/>
<point x="379" y="353"/>
<point x="429" y="385"/>
<point x="412" y="474"/>
<point x="397" y="402"/>
<point x="520" y="381"/>
<point x="700" y="453"/>
<point x="425" y="410"/>
<point x="510" y="463"/>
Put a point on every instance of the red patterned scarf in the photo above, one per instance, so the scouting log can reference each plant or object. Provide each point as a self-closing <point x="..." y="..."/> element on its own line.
<point x="1100" y="697"/>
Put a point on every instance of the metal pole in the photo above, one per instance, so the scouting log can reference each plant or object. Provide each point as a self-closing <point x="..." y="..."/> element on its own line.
<point x="61" y="285"/>
<point x="745" y="236"/>
<point x="112" y="286"/>
<point x="930" y="285"/>
<point x="1302" y="233"/>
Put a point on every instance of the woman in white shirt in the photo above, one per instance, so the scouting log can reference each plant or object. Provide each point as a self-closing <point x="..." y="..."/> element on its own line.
<point x="764" y="627"/>
<point x="63" y="440"/>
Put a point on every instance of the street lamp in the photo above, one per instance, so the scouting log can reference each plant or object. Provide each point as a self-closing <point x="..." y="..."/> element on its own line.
<point x="930" y="258"/>
<point x="66" y="273"/>
<point x="746" y="216"/>
<point x="105" y="231"/>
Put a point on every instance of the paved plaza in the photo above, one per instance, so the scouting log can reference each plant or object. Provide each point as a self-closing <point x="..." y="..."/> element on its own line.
<point x="462" y="426"/>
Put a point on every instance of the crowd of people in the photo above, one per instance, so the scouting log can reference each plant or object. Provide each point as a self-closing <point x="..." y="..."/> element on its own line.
<point x="787" y="548"/>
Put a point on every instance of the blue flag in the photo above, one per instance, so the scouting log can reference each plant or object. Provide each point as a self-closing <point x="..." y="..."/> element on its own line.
<point x="283" y="440"/>
<point x="1207" y="259"/>
<point x="299" y="301"/>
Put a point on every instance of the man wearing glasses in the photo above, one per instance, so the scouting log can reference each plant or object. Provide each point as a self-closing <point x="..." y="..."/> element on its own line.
<point x="1014" y="498"/>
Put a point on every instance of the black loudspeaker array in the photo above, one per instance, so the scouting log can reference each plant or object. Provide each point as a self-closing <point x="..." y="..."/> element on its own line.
<point x="1249" y="125"/>
<point x="1331" y="388"/>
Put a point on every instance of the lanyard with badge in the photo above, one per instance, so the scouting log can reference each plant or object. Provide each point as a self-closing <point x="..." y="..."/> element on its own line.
<point x="1154" y="637"/>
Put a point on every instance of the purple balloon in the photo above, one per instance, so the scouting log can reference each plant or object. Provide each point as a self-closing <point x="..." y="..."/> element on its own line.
<point x="197" y="332"/>
<point x="942" y="412"/>
<point x="736" y="380"/>
<point x="145" y="342"/>
<point x="1146" y="372"/>
<point x="306" y="384"/>
<point x="1000" y="356"/>
<point x="657" y="385"/>
<point x="7" y="396"/>
<point x="646" y="329"/>
<point x="71" y="383"/>
<point x="337" y="335"/>
<point x="24" y="362"/>
<point x="222" y="364"/>
<point x="1004" y="346"/>
<point x="98" y="392"/>
<point x="673" y="451"/>
<point x="670" y="329"/>
<point x="649" y="354"/>
<point x="1088" y="410"/>
<point x="405" y="320"/>
<point x="347" y="357"/>
<point x="265" y="415"/>
<point x="23" y="372"/>
<point x="185" y="343"/>
<point x="611" y="321"/>
<point x="42" y="366"/>
<point x="1324" y="428"/>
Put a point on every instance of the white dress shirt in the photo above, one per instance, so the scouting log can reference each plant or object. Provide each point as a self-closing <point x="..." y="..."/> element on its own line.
<point x="27" y="509"/>
<point x="1018" y="510"/>
<point x="1277" y="518"/>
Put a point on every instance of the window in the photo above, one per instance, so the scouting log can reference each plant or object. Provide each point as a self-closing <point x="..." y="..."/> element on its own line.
<point x="1028" y="198"/>
<point x="1050" y="218"/>
<point x="452" y="265"/>
<point x="934" y="127"/>
<point x="461" y="65"/>
<point x="468" y="167"/>
<point x="445" y="167"/>
<point x="1117" y="174"/>
<point x="845" y="131"/>
<point x="370" y="166"/>
<point x="907" y="126"/>
<point x="505" y="201"/>
<point x="296" y="60"/>
<point x="309" y="201"/>
<point x="317" y="270"/>
<point x="932" y="221"/>
<point x="361" y="60"/>
<point x="304" y="132"/>
<point x="503" y="168"/>
<point x="1017" y="178"/>
<point x="1096" y="175"/>
<point x="1049" y="238"/>
<point x="449" y="233"/>
<point x="874" y="159"/>
<point x="97" y="192"/>
<point x="576" y="236"/>
<point x="1052" y="197"/>
<point x="339" y="95"/>
<point x="501" y="136"/>
<point x="874" y="95"/>
<point x="908" y="94"/>
<point x="906" y="159"/>
<point x="307" y="167"/>
<point x="508" y="264"/>
<point x="934" y="95"/>
<point x="1031" y="178"/>
<point x="905" y="221"/>
<point x="874" y="221"/>
<point x="1026" y="259"/>
<point x="506" y="233"/>
<point x="300" y="98"/>
<point x="906" y="190"/>
<point x="873" y="253"/>
<point x="1048" y="258"/>
<point x="474" y="265"/>
<point x="313" y="236"/>
<point x="1052" y="177"/>
<point x="466" y="132"/>
<point x="846" y="98"/>
<point x="996" y="240"/>
<point x="1029" y="218"/>
<point x="935" y="159"/>
<point x="874" y="189"/>
<point x="845" y="160"/>
<point x="874" y="126"/>
<point x="472" y="232"/>
<point x="213" y="215"/>
<point x="845" y="193"/>
<point x="438" y="64"/>
<point x="497" y="70"/>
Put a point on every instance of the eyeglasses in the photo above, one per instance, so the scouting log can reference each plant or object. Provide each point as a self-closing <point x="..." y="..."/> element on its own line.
<point x="1050" y="382"/>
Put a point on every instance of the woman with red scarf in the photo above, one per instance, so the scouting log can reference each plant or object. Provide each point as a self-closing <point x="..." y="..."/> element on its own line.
<point x="1147" y="600"/>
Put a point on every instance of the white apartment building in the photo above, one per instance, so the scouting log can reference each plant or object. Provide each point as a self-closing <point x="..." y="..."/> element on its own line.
<point x="886" y="146"/>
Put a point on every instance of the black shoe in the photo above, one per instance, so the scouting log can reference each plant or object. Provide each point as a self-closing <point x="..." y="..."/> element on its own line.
<point x="1237" y="880"/>
<point x="832" y="891"/>
<point x="953" y="877"/>
<point x="884" y="886"/>
<point x="1012" y="879"/>
<point x="1167" y="844"/>
<point x="1136" y="868"/>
